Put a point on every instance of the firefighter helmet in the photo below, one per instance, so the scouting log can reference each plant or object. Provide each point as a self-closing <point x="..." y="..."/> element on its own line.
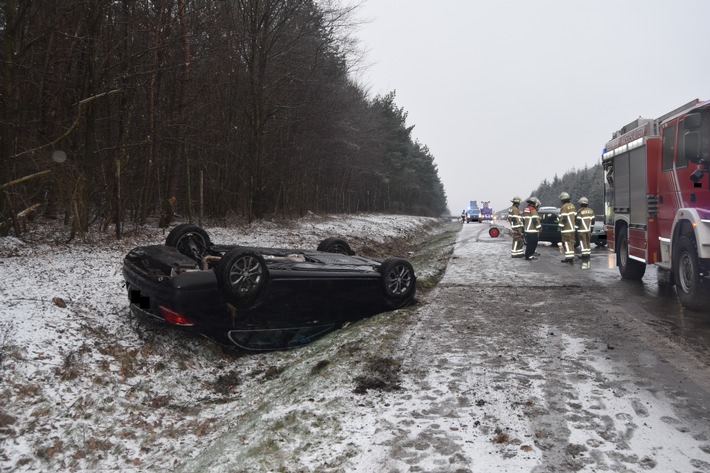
<point x="564" y="196"/>
<point x="583" y="201"/>
<point x="516" y="199"/>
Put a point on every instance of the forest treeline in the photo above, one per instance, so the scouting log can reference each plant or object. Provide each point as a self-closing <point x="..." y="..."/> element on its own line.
<point x="587" y="182"/>
<point x="196" y="107"/>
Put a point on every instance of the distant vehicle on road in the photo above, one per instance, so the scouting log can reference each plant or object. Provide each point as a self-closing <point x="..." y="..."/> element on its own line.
<point x="473" y="213"/>
<point x="486" y="212"/>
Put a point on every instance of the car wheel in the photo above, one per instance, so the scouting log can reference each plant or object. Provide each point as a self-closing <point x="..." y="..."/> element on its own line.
<point x="335" y="245"/>
<point x="693" y="294"/>
<point x="600" y="243"/>
<point x="190" y="240"/>
<point x="241" y="276"/>
<point x="628" y="267"/>
<point x="398" y="281"/>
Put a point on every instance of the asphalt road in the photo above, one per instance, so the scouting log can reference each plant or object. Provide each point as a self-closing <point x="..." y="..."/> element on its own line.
<point x="542" y="366"/>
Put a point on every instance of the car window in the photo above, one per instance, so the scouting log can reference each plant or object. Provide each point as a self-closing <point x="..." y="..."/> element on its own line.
<point x="549" y="217"/>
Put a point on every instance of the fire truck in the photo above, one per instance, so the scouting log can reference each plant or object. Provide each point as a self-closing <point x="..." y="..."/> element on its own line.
<point x="487" y="211"/>
<point x="657" y="199"/>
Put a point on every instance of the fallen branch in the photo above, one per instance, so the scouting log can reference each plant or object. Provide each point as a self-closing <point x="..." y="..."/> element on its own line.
<point x="23" y="179"/>
<point x="20" y="217"/>
<point x="29" y="210"/>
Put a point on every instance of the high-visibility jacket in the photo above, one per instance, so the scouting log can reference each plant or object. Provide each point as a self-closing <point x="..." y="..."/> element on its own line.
<point x="531" y="220"/>
<point x="567" y="216"/>
<point x="516" y="222"/>
<point x="585" y="220"/>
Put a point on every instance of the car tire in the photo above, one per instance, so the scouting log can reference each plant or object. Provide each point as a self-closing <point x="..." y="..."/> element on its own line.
<point x="628" y="268"/>
<point x="242" y="276"/>
<point x="690" y="287"/>
<point x="335" y="245"/>
<point x="398" y="281"/>
<point x="190" y="240"/>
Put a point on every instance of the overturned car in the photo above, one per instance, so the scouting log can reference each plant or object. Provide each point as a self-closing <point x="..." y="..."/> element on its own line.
<point x="261" y="298"/>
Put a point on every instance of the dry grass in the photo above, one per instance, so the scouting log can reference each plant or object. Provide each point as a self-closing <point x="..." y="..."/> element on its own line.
<point x="379" y="374"/>
<point x="500" y="436"/>
<point x="226" y="383"/>
<point x="320" y="366"/>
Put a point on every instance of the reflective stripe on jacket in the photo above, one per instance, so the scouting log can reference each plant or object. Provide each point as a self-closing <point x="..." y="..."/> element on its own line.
<point x="567" y="216"/>
<point x="585" y="220"/>
<point x="514" y="218"/>
<point x="531" y="220"/>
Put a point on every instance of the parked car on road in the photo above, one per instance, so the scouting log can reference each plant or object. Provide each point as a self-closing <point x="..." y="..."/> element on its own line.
<point x="261" y="298"/>
<point x="550" y="221"/>
<point x="598" y="233"/>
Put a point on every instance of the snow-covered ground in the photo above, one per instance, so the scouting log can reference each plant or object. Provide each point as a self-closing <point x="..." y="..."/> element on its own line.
<point x="466" y="379"/>
<point x="85" y="386"/>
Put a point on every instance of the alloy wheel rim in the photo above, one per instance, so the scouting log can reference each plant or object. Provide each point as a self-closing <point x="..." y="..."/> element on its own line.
<point x="399" y="280"/>
<point x="245" y="274"/>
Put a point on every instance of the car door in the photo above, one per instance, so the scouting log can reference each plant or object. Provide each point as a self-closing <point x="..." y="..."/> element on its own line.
<point x="550" y="227"/>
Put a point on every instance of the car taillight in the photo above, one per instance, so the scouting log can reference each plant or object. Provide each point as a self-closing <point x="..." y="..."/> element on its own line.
<point x="174" y="318"/>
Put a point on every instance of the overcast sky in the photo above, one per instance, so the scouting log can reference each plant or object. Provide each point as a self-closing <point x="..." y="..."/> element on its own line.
<point x="508" y="93"/>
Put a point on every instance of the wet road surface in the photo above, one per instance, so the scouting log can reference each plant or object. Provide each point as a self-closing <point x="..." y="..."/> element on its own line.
<point x="652" y="300"/>
<point x="543" y="366"/>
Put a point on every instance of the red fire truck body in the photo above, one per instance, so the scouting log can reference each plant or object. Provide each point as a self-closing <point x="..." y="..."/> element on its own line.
<point x="657" y="193"/>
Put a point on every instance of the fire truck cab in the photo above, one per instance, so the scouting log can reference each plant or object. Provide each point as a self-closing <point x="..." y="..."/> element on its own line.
<point x="657" y="199"/>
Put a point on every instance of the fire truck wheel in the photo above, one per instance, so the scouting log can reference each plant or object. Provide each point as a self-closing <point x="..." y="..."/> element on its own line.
<point x="628" y="267"/>
<point x="693" y="294"/>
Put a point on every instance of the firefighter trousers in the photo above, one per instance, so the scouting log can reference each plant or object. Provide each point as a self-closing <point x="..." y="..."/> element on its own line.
<point x="517" y="249"/>
<point x="568" y="245"/>
<point x="531" y="244"/>
<point x="585" y="244"/>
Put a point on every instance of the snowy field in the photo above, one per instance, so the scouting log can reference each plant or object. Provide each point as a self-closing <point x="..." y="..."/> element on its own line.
<point x="86" y="386"/>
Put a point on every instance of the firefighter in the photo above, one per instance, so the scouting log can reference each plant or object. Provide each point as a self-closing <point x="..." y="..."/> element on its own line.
<point x="516" y="224"/>
<point x="567" y="218"/>
<point x="584" y="224"/>
<point x="531" y="226"/>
